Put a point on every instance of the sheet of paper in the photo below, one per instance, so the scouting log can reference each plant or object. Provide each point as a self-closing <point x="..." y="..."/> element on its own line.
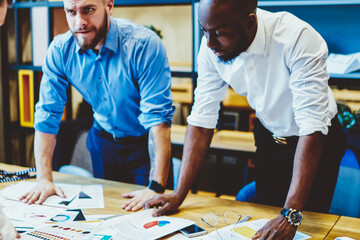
<point x="242" y="231"/>
<point x="90" y="196"/>
<point x="70" y="215"/>
<point x="15" y="191"/>
<point x="26" y="217"/>
<point x="180" y="236"/>
<point x="142" y="226"/>
<point x="97" y="217"/>
<point x="342" y="64"/>
<point x="61" y="231"/>
<point x="77" y="196"/>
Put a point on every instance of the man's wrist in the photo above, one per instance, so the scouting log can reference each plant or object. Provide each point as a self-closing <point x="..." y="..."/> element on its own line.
<point x="156" y="187"/>
<point x="293" y="216"/>
<point x="44" y="179"/>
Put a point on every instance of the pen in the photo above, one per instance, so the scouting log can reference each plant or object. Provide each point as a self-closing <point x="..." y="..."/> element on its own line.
<point x="247" y="217"/>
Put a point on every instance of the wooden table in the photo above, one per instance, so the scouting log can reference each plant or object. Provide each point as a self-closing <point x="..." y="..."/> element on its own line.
<point x="194" y="207"/>
<point x="346" y="226"/>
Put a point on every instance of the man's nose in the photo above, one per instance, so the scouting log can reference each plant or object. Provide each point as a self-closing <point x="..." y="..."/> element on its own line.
<point x="80" y="21"/>
<point x="212" y="41"/>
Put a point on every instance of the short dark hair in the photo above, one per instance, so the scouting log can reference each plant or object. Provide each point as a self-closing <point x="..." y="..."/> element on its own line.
<point x="244" y="6"/>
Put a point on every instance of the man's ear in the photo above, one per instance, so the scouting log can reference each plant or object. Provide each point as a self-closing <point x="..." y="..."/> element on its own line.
<point x="110" y="6"/>
<point x="251" y="21"/>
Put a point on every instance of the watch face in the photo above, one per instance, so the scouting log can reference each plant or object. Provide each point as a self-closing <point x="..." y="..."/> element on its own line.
<point x="295" y="217"/>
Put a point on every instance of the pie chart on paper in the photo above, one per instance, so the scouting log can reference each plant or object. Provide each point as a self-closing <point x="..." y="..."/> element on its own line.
<point x="155" y="223"/>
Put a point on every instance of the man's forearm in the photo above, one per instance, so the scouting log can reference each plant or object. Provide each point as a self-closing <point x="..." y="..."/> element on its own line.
<point x="44" y="145"/>
<point x="307" y="156"/>
<point x="160" y="152"/>
<point x="197" y="142"/>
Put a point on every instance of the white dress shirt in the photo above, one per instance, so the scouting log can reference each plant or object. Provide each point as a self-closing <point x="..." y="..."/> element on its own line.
<point x="282" y="74"/>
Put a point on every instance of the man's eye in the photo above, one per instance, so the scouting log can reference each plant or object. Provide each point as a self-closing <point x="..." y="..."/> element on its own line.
<point x="219" y="33"/>
<point x="89" y="10"/>
<point x="71" y="12"/>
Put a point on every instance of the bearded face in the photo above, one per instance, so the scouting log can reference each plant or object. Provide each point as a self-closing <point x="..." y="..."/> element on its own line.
<point x="88" y="21"/>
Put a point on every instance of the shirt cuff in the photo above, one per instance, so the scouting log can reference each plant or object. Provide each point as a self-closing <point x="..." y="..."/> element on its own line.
<point x="198" y="120"/>
<point x="149" y="120"/>
<point x="47" y="123"/>
<point x="309" y="127"/>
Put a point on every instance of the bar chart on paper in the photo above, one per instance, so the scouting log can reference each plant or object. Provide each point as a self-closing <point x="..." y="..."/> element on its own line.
<point x="244" y="231"/>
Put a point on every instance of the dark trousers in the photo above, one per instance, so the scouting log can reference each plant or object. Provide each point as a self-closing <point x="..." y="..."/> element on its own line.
<point x="123" y="159"/>
<point x="274" y="166"/>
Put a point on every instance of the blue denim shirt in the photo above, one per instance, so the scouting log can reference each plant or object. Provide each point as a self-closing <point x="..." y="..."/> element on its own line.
<point x="127" y="83"/>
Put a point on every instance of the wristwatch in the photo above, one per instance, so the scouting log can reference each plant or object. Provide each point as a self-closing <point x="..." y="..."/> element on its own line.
<point x="156" y="187"/>
<point x="293" y="216"/>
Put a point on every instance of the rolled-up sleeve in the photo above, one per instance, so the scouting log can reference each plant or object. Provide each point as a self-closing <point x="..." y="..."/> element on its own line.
<point x="154" y="78"/>
<point x="52" y="96"/>
<point x="209" y="92"/>
<point x="309" y="83"/>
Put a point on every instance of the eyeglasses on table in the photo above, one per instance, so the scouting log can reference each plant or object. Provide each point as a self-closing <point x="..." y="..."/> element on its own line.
<point x="212" y="220"/>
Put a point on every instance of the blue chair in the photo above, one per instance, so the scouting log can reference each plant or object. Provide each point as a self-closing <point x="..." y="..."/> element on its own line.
<point x="247" y="193"/>
<point x="346" y="200"/>
<point x="75" y="170"/>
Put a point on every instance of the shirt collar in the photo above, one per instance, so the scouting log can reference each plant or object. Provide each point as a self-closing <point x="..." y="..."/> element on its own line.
<point x="111" y="38"/>
<point x="111" y="41"/>
<point x="258" y="44"/>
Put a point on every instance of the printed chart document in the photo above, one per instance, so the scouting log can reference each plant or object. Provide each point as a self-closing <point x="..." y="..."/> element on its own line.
<point x="142" y="226"/>
<point x="242" y="231"/>
<point x="25" y="217"/>
<point x="90" y="196"/>
<point x="69" y="231"/>
<point x="77" y="196"/>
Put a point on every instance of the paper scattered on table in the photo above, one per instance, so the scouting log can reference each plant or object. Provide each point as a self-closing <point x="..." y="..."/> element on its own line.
<point x="180" y="236"/>
<point x="342" y="64"/>
<point x="90" y="196"/>
<point x="70" y="215"/>
<point x="77" y="196"/>
<point x="61" y="231"/>
<point x="242" y="231"/>
<point x="142" y="226"/>
<point x="24" y="215"/>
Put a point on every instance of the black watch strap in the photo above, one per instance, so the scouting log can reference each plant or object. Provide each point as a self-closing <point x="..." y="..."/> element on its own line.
<point x="156" y="187"/>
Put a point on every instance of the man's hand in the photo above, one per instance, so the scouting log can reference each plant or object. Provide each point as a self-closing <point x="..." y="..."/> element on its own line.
<point x="41" y="192"/>
<point x="168" y="202"/>
<point x="138" y="198"/>
<point x="278" y="228"/>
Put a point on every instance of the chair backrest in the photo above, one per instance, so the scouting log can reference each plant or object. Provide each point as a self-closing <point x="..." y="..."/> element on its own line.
<point x="71" y="145"/>
<point x="346" y="200"/>
<point x="81" y="156"/>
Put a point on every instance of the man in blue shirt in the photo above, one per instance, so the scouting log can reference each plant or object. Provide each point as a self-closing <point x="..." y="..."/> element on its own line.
<point x="122" y="71"/>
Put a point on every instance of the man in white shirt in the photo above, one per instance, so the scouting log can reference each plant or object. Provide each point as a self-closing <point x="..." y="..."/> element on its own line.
<point x="278" y="62"/>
